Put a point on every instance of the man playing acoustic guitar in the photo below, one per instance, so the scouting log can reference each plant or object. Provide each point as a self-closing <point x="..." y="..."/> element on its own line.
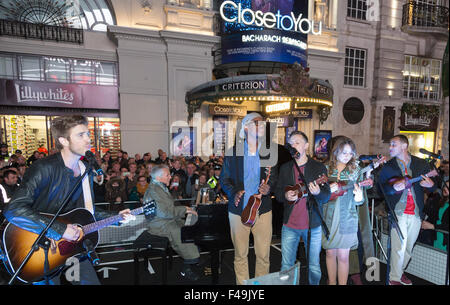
<point x="46" y="184"/>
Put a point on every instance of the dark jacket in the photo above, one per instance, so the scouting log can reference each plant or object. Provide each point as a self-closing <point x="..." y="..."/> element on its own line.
<point x="431" y="209"/>
<point x="286" y="177"/>
<point x="232" y="178"/>
<point x="391" y="169"/>
<point x="45" y="185"/>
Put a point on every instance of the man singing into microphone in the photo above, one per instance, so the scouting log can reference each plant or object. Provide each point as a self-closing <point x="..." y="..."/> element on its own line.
<point x="407" y="203"/>
<point x="47" y="183"/>
<point x="296" y="220"/>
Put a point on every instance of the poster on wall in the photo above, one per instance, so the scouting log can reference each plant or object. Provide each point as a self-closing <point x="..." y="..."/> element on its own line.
<point x="290" y="130"/>
<point x="388" y="124"/>
<point x="220" y="133"/>
<point x="321" y="138"/>
<point x="182" y="143"/>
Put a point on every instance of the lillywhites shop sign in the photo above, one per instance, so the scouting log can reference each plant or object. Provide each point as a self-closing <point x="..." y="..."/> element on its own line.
<point x="44" y="94"/>
<point x="269" y="20"/>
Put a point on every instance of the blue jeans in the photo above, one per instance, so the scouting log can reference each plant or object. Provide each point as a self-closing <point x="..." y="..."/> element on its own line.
<point x="290" y="239"/>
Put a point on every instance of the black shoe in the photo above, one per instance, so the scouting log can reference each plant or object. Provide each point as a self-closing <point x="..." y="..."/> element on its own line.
<point x="189" y="273"/>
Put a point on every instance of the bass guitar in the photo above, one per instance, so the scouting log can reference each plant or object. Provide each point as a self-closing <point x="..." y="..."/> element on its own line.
<point x="17" y="242"/>
<point x="343" y="187"/>
<point x="300" y="187"/>
<point x="248" y="216"/>
<point x="409" y="181"/>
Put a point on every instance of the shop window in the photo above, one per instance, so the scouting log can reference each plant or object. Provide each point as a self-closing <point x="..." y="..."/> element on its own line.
<point x="418" y="140"/>
<point x="106" y="74"/>
<point x="7" y="66"/>
<point x="353" y="110"/>
<point x="30" y="68"/>
<point x="355" y="66"/>
<point x="357" y="9"/>
<point x="82" y="71"/>
<point x="421" y="78"/>
<point x="56" y="69"/>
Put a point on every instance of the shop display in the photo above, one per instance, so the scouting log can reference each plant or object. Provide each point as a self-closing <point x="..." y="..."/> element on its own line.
<point x="19" y="134"/>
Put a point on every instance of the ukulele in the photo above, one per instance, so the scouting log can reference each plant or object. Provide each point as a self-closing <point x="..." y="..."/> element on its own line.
<point x="409" y="181"/>
<point x="301" y="187"/>
<point x="248" y="216"/>
<point x="343" y="187"/>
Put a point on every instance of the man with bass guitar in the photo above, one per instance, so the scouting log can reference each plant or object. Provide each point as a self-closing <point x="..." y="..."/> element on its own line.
<point x="406" y="199"/>
<point x="46" y="184"/>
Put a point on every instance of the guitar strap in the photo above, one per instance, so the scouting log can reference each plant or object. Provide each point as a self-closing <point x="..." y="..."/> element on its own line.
<point x="86" y="189"/>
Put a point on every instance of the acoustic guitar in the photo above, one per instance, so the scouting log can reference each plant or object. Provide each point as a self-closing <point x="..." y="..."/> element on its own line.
<point x="17" y="242"/>
<point x="248" y="216"/>
<point x="301" y="187"/>
<point x="343" y="187"/>
<point x="409" y="181"/>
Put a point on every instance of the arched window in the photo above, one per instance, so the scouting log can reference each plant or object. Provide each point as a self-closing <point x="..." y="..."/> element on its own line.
<point x="93" y="15"/>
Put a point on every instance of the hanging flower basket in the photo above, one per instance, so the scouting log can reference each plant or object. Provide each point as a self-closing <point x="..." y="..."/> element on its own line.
<point x="421" y="110"/>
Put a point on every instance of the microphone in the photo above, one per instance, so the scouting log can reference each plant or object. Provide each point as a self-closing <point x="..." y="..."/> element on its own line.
<point x="429" y="153"/>
<point x="368" y="157"/>
<point x="90" y="251"/>
<point x="294" y="153"/>
<point x="90" y="157"/>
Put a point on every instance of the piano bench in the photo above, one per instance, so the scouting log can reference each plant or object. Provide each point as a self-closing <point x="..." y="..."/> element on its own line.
<point x="148" y="245"/>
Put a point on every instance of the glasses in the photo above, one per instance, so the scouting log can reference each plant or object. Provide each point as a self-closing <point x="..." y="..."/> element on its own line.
<point x="258" y="122"/>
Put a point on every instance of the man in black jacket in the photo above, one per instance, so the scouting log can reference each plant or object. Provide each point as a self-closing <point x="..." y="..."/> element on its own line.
<point x="48" y="181"/>
<point x="406" y="202"/>
<point x="296" y="220"/>
<point x="241" y="177"/>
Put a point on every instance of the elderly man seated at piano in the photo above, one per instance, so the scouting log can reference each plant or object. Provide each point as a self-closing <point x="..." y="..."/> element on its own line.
<point x="169" y="220"/>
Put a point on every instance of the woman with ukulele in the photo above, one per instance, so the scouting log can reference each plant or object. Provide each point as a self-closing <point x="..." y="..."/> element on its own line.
<point x="340" y="214"/>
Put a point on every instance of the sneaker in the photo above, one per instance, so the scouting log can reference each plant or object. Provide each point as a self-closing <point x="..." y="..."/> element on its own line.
<point x="404" y="280"/>
<point x="189" y="273"/>
<point x="356" y="279"/>
<point x="394" y="283"/>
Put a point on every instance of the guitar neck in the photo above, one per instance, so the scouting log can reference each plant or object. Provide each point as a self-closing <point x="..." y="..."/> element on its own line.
<point x="350" y="186"/>
<point x="95" y="226"/>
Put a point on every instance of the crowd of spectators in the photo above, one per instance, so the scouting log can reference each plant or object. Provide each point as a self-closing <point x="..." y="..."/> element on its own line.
<point x="126" y="179"/>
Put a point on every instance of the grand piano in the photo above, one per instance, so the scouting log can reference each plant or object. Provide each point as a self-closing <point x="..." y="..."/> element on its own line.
<point x="210" y="231"/>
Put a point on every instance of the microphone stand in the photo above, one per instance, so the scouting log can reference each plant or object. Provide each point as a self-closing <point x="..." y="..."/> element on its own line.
<point x="44" y="242"/>
<point x="392" y="222"/>
<point x="309" y="206"/>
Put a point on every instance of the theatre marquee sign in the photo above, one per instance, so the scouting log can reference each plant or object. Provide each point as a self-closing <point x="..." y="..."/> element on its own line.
<point x="227" y="110"/>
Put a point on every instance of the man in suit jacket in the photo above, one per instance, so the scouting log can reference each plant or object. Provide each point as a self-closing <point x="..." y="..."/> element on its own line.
<point x="169" y="220"/>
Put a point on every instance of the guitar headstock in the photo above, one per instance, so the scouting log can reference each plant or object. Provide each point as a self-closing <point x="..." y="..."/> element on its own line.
<point x="267" y="171"/>
<point x="149" y="209"/>
<point x="381" y="159"/>
<point x="433" y="173"/>
<point x="322" y="179"/>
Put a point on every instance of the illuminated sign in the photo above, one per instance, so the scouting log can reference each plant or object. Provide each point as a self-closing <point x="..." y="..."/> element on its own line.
<point x="270" y="20"/>
<point x="245" y="85"/>
<point x="278" y="107"/>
